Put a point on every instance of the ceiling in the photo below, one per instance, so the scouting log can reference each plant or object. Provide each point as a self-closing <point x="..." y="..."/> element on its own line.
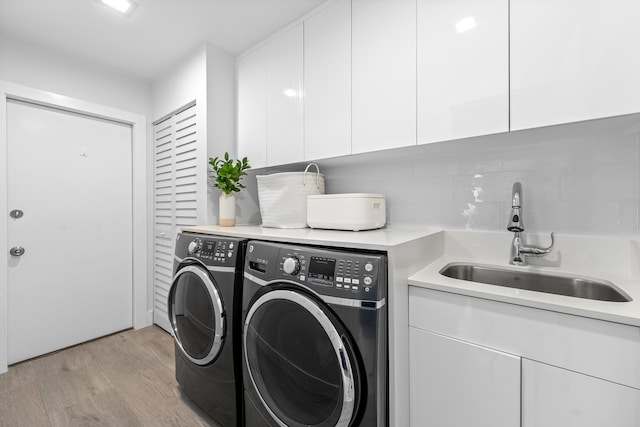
<point x="155" y="36"/>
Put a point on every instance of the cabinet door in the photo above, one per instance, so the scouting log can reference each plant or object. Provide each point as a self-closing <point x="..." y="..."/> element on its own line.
<point x="252" y="107"/>
<point x="554" y="397"/>
<point x="463" y="68"/>
<point x="284" y="98"/>
<point x="454" y="383"/>
<point x="384" y="74"/>
<point x="327" y="82"/>
<point x="573" y="60"/>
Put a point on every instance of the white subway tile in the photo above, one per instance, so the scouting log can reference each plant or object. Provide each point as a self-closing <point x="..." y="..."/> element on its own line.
<point x="463" y="162"/>
<point x="497" y="187"/>
<point x="614" y="218"/>
<point x="579" y="178"/>
<point x="601" y="182"/>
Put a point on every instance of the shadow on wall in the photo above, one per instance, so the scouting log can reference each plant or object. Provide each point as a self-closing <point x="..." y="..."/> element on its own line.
<point x="247" y="207"/>
<point x="579" y="178"/>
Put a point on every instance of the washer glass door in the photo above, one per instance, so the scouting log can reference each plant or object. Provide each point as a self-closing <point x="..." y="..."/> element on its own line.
<point x="297" y="360"/>
<point x="196" y="314"/>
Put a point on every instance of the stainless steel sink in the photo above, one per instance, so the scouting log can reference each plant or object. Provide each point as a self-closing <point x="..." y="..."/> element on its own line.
<point x="562" y="285"/>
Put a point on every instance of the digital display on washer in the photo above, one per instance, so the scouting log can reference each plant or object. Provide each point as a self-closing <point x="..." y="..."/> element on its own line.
<point x="322" y="268"/>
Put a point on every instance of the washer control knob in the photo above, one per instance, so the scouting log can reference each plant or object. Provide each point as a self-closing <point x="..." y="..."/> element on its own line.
<point x="194" y="246"/>
<point x="291" y="265"/>
<point x="368" y="267"/>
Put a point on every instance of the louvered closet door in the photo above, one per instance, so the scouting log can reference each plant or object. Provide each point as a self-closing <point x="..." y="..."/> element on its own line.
<point x="186" y="162"/>
<point x="176" y="188"/>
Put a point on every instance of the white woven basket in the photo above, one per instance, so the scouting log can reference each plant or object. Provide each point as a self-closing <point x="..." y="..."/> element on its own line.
<point x="283" y="197"/>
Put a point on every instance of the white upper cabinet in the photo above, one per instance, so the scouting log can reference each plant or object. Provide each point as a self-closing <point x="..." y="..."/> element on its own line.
<point x="367" y="75"/>
<point x="285" y="137"/>
<point x="463" y="68"/>
<point x="383" y="74"/>
<point x="327" y="82"/>
<point x="252" y="107"/>
<point x="573" y="60"/>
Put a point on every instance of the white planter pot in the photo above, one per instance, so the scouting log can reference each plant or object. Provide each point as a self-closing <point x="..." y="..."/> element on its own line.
<point x="227" y="204"/>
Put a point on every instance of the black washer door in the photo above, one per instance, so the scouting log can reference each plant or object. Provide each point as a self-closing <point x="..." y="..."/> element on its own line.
<point x="196" y="314"/>
<point x="298" y="362"/>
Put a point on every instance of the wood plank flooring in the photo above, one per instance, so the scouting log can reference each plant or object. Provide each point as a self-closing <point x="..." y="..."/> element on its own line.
<point x="125" y="379"/>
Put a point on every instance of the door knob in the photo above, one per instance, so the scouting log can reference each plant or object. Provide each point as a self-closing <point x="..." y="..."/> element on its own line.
<point x="16" y="251"/>
<point x="16" y="213"/>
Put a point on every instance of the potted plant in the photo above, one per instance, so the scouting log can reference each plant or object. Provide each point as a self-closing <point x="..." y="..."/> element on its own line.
<point x="227" y="173"/>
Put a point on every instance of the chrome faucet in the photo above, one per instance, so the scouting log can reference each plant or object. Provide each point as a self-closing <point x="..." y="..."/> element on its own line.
<point x="518" y="249"/>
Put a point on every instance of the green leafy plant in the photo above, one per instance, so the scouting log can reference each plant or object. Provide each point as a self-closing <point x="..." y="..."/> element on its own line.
<point x="227" y="173"/>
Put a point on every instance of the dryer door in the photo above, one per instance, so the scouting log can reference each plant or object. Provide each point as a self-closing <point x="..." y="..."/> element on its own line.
<point x="196" y="314"/>
<point x="299" y="360"/>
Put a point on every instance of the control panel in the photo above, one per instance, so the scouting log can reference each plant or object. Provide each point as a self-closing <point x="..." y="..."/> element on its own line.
<point x="326" y="271"/>
<point x="219" y="251"/>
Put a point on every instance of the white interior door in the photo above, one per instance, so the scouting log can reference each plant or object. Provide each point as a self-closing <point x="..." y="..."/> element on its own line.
<point x="71" y="176"/>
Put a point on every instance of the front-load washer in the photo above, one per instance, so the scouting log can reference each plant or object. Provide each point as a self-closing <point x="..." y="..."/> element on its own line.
<point x="314" y="336"/>
<point x="205" y="302"/>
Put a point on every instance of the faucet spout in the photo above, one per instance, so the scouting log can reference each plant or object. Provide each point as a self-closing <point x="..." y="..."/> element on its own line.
<point x="515" y="220"/>
<point x="519" y="251"/>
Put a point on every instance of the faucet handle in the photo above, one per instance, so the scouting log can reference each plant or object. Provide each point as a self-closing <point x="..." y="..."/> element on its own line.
<point x="537" y="251"/>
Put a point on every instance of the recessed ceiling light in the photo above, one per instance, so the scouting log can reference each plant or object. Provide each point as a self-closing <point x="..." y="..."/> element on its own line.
<point x="123" y="6"/>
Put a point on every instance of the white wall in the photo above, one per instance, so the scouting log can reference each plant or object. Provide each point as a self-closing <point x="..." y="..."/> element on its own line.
<point x="182" y="84"/>
<point x="221" y="101"/>
<point x="206" y="76"/>
<point x="55" y="71"/>
<point x="579" y="178"/>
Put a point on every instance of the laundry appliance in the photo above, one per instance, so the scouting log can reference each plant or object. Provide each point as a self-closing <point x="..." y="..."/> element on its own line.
<point x="204" y="302"/>
<point x="314" y="336"/>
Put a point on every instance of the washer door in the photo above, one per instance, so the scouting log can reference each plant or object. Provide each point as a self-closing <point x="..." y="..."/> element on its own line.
<point x="196" y="314"/>
<point x="300" y="367"/>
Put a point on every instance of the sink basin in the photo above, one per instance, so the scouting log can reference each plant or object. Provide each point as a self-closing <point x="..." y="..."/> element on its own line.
<point x="562" y="285"/>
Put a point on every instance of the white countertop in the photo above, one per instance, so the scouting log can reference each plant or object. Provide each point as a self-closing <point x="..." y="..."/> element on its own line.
<point x="380" y="239"/>
<point x="616" y="260"/>
<point x="613" y="260"/>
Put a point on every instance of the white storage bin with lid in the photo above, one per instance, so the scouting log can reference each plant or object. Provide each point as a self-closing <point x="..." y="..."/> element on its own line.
<point x="352" y="211"/>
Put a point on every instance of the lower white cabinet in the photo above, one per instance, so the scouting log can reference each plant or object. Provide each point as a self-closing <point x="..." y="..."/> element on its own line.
<point x="454" y="383"/>
<point x="555" y="397"/>
<point x="477" y="362"/>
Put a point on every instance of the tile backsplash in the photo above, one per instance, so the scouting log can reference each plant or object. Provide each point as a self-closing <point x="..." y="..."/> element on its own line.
<point x="579" y="178"/>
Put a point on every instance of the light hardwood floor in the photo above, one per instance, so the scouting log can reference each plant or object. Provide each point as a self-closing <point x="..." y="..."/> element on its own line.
<point x="125" y="379"/>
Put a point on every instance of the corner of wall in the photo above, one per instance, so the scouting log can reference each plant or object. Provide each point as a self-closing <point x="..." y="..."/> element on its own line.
<point x="220" y="78"/>
<point x="220" y="99"/>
